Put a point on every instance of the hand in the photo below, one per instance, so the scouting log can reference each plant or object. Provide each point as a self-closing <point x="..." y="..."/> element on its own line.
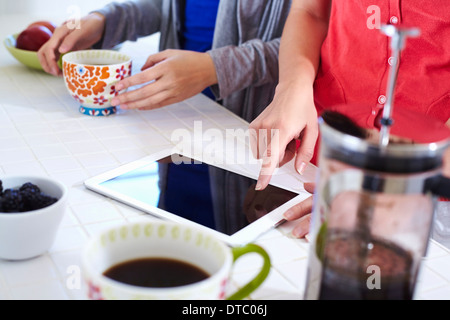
<point x="292" y="115"/>
<point x="167" y="77"/>
<point x="68" y="37"/>
<point x="302" y="211"/>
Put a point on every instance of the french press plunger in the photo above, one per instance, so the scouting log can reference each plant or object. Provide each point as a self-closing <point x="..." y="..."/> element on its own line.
<point x="375" y="200"/>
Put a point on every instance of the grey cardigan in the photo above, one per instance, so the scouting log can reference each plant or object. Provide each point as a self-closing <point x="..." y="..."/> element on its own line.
<point x="245" y="48"/>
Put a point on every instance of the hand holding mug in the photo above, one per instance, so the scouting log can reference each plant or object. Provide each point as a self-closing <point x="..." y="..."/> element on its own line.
<point x="167" y="77"/>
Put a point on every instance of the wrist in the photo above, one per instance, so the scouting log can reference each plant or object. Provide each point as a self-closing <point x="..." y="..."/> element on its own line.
<point x="97" y="26"/>
<point x="211" y="73"/>
<point x="99" y="21"/>
<point x="99" y="17"/>
<point x="299" y="86"/>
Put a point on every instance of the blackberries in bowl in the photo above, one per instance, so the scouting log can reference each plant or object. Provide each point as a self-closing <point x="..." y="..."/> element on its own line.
<point x="31" y="210"/>
<point x="28" y="197"/>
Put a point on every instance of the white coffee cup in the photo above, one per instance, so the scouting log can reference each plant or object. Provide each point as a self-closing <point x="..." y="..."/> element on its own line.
<point x="161" y="239"/>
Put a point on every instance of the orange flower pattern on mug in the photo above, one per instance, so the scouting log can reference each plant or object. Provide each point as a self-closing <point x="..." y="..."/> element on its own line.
<point x="86" y="80"/>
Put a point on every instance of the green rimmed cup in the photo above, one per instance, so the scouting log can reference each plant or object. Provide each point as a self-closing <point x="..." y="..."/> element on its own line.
<point x="165" y="240"/>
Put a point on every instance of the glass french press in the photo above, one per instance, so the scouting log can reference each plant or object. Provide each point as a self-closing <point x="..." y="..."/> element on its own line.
<point x="375" y="200"/>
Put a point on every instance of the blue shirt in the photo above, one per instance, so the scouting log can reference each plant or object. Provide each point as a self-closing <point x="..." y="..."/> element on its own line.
<point x="199" y="24"/>
<point x="197" y="35"/>
<point x="198" y="27"/>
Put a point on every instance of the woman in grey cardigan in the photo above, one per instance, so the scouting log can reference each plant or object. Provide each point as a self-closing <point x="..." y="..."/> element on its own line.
<point x="241" y="68"/>
<point x="244" y="53"/>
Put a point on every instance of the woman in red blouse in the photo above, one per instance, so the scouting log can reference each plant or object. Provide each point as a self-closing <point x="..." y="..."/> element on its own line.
<point x="332" y="53"/>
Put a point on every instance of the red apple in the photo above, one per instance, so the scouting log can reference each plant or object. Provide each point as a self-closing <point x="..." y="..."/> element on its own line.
<point x="43" y="23"/>
<point x="32" y="39"/>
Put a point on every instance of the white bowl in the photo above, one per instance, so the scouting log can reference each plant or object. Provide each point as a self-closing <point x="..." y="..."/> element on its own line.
<point x="29" y="234"/>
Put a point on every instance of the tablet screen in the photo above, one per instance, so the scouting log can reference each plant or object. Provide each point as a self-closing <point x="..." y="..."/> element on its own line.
<point x="199" y="192"/>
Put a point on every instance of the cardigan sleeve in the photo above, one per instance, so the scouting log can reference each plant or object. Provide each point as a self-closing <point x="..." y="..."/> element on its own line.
<point x="129" y="21"/>
<point x="254" y="63"/>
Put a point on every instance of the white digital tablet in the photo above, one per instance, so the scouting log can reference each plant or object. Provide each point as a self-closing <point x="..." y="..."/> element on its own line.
<point x="185" y="189"/>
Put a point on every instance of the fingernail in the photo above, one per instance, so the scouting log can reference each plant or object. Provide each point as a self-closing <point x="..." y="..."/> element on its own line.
<point x="288" y="215"/>
<point x="302" y="168"/>
<point x="124" y="107"/>
<point x="119" y="87"/>
<point x="308" y="238"/>
<point x="63" y="49"/>
<point x="297" y="232"/>
<point x="258" y="186"/>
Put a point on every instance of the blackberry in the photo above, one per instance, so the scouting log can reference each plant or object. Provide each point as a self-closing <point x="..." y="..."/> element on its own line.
<point x="11" y="201"/>
<point x="29" y="187"/>
<point x="27" y="198"/>
<point x="41" y="201"/>
<point x="30" y="195"/>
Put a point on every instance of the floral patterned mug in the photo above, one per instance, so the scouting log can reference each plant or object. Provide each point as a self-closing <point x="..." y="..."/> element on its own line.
<point x="165" y="240"/>
<point x="91" y="76"/>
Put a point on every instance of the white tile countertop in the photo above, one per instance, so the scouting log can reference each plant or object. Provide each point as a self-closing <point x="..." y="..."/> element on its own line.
<point x="42" y="132"/>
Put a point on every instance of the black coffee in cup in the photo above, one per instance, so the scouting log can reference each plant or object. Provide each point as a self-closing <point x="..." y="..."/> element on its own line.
<point x="156" y="273"/>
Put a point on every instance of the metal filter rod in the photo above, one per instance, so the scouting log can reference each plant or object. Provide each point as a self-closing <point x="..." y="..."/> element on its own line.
<point x="398" y="38"/>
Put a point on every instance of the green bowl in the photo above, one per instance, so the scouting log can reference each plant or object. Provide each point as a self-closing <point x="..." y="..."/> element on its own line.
<point x="28" y="58"/>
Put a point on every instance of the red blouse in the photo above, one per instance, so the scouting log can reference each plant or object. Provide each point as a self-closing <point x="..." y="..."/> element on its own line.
<point x="356" y="57"/>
